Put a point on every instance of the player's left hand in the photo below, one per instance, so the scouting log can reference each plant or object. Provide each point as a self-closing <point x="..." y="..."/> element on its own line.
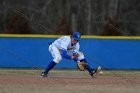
<point x="82" y="66"/>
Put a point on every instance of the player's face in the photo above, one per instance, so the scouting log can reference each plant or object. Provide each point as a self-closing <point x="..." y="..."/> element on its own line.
<point x="74" y="41"/>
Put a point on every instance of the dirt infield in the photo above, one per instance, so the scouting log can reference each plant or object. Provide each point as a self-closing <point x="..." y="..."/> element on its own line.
<point x="28" y="81"/>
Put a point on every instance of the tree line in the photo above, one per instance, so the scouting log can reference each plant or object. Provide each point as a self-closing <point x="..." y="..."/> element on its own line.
<point x="90" y="17"/>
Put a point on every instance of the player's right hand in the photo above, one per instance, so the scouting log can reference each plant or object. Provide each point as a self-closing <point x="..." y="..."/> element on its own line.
<point x="75" y="56"/>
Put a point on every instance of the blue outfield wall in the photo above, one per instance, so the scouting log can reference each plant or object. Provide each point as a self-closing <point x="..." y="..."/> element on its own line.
<point x="32" y="52"/>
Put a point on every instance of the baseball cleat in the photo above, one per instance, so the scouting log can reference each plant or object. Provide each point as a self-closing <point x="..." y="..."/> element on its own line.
<point x="96" y="72"/>
<point x="43" y="74"/>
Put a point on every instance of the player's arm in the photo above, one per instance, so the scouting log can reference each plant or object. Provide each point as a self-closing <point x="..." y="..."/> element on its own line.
<point x="63" y="47"/>
<point x="65" y="55"/>
<point x="76" y="49"/>
<point x="64" y="44"/>
<point x="76" y="52"/>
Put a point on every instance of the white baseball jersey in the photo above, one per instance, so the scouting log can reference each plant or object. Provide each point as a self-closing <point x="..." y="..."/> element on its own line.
<point x="64" y="43"/>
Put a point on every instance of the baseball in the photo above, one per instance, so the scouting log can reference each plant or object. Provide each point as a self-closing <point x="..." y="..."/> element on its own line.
<point x="101" y="73"/>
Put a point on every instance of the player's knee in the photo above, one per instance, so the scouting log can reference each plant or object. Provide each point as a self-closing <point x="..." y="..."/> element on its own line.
<point x="57" y="59"/>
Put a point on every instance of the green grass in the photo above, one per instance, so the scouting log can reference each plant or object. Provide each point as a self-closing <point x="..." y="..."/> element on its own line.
<point x="30" y="72"/>
<point x="19" y="72"/>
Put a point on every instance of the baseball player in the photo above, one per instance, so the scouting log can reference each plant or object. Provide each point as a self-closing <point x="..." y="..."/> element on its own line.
<point x="68" y="47"/>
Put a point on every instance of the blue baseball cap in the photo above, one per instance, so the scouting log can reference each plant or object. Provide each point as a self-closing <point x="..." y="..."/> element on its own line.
<point x="76" y="36"/>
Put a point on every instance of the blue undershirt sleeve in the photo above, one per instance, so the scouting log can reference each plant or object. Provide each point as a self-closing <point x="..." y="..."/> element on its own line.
<point x="65" y="55"/>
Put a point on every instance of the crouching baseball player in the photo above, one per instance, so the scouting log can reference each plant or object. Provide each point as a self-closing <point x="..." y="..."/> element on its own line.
<point x="68" y="47"/>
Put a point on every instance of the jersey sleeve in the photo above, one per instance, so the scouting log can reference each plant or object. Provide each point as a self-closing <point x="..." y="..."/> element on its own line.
<point x="65" y="55"/>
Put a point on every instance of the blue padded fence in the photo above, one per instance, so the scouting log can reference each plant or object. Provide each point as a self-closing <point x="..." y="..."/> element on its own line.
<point x="27" y="52"/>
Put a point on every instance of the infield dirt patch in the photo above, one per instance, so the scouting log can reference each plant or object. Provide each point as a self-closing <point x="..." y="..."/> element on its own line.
<point x="29" y="81"/>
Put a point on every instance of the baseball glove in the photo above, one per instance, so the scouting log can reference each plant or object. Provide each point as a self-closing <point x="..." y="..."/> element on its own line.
<point x="82" y="66"/>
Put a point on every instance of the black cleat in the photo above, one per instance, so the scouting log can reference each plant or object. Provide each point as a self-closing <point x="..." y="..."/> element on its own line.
<point x="43" y="74"/>
<point x="96" y="71"/>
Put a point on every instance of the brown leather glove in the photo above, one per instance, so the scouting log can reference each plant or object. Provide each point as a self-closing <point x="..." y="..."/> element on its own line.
<point x="82" y="66"/>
